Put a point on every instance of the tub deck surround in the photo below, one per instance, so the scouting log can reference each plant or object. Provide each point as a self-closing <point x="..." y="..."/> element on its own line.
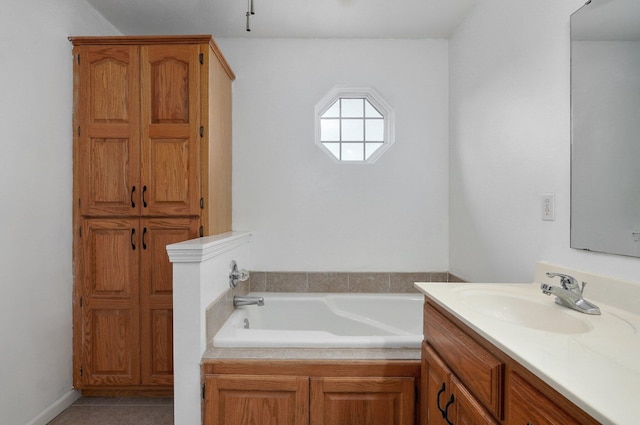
<point x="591" y="360"/>
<point x="219" y="311"/>
<point x="326" y="321"/>
<point x="311" y="354"/>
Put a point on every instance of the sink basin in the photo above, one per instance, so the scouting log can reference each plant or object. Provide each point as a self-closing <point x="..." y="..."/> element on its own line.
<point x="526" y="312"/>
<point x="534" y="310"/>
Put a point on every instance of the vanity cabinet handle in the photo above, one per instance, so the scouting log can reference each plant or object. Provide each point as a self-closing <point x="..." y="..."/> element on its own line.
<point x="446" y="409"/>
<point x="133" y="242"/>
<point x="133" y="203"/>
<point x="442" y="411"/>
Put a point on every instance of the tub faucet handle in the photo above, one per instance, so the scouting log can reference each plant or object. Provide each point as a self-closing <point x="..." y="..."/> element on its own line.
<point x="237" y="275"/>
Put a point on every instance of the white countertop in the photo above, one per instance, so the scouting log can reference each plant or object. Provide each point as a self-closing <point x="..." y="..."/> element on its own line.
<point x="594" y="361"/>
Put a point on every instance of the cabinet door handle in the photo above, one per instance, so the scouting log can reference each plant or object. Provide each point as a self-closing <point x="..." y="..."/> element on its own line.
<point x="446" y="409"/>
<point x="442" y="411"/>
<point x="133" y="203"/>
<point x="144" y="234"/>
<point x="144" y="201"/>
<point x="133" y="242"/>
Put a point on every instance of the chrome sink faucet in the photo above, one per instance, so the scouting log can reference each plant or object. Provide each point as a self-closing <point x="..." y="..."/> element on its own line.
<point x="570" y="295"/>
<point x="240" y="301"/>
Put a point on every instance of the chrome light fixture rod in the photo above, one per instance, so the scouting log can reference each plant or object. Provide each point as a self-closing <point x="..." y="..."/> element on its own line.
<point x="250" y="11"/>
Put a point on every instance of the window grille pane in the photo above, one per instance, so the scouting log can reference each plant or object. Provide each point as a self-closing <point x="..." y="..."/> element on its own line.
<point x="374" y="130"/>
<point x="370" y="111"/>
<point x="334" y="148"/>
<point x="353" y="151"/>
<point x="333" y="111"/>
<point x="370" y="148"/>
<point x="352" y="108"/>
<point x="352" y="130"/>
<point x="329" y="130"/>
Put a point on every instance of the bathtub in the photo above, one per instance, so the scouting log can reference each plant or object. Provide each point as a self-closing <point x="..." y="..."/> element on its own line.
<point x="326" y="320"/>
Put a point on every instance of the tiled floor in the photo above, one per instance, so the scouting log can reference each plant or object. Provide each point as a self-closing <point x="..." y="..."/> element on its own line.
<point x="117" y="411"/>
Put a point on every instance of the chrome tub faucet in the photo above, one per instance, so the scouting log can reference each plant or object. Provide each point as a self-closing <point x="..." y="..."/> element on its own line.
<point x="570" y="294"/>
<point x="241" y="301"/>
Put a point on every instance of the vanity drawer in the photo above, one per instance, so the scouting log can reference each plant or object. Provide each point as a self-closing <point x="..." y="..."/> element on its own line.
<point x="480" y="371"/>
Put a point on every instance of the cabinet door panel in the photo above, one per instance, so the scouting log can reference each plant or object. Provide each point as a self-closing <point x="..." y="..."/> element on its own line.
<point x="108" y="133"/>
<point x="466" y="409"/>
<point x="437" y="390"/>
<point x="529" y="406"/>
<point x="256" y="400"/>
<point x="170" y="116"/>
<point x="110" y="311"/>
<point x="156" y="298"/>
<point x="362" y="401"/>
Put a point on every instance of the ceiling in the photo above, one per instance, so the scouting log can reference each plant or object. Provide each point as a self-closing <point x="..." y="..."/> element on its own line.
<point x="288" y="18"/>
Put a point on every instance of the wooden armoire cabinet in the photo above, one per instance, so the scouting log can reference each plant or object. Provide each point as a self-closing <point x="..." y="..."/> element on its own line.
<point x="152" y="166"/>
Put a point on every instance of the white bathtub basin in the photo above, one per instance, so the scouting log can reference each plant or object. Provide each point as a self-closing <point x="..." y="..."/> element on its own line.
<point x="327" y="321"/>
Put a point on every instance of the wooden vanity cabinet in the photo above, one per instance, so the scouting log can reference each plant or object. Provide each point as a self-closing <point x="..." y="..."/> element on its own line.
<point x="467" y="380"/>
<point x="311" y="393"/>
<point x="152" y="166"/>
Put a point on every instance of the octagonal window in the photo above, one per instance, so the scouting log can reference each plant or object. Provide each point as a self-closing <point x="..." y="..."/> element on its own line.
<point x="354" y="125"/>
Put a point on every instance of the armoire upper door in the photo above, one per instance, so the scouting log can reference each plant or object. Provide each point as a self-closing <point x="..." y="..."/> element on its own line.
<point x="108" y="130"/>
<point x="170" y="130"/>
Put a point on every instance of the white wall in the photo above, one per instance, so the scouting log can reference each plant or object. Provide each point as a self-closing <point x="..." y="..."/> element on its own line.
<point x="35" y="192"/>
<point x="510" y="143"/>
<point x="308" y="213"/>
<point x="200" y="276"/>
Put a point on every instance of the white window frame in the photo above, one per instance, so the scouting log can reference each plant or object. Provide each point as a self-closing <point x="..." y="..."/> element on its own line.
<point x="373" y="97"/>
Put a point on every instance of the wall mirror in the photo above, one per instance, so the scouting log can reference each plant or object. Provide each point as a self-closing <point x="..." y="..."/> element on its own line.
<point x="605" y="121"/>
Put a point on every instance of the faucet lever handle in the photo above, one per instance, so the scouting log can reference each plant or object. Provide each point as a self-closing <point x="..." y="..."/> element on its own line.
<point x="568" y="282"/>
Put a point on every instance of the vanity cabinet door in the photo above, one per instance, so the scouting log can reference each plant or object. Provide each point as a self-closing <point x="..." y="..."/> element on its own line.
<point x="528" y="406"/>
<point x="436" y="387"/>
<point x="256" y="400"/>
<point x="447" y="400"/>
<point x="466" y="409"/>
<point x="362" y="401"/>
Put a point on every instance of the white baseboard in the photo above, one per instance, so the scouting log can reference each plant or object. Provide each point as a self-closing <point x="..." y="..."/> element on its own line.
<point x="55" y="408"/>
